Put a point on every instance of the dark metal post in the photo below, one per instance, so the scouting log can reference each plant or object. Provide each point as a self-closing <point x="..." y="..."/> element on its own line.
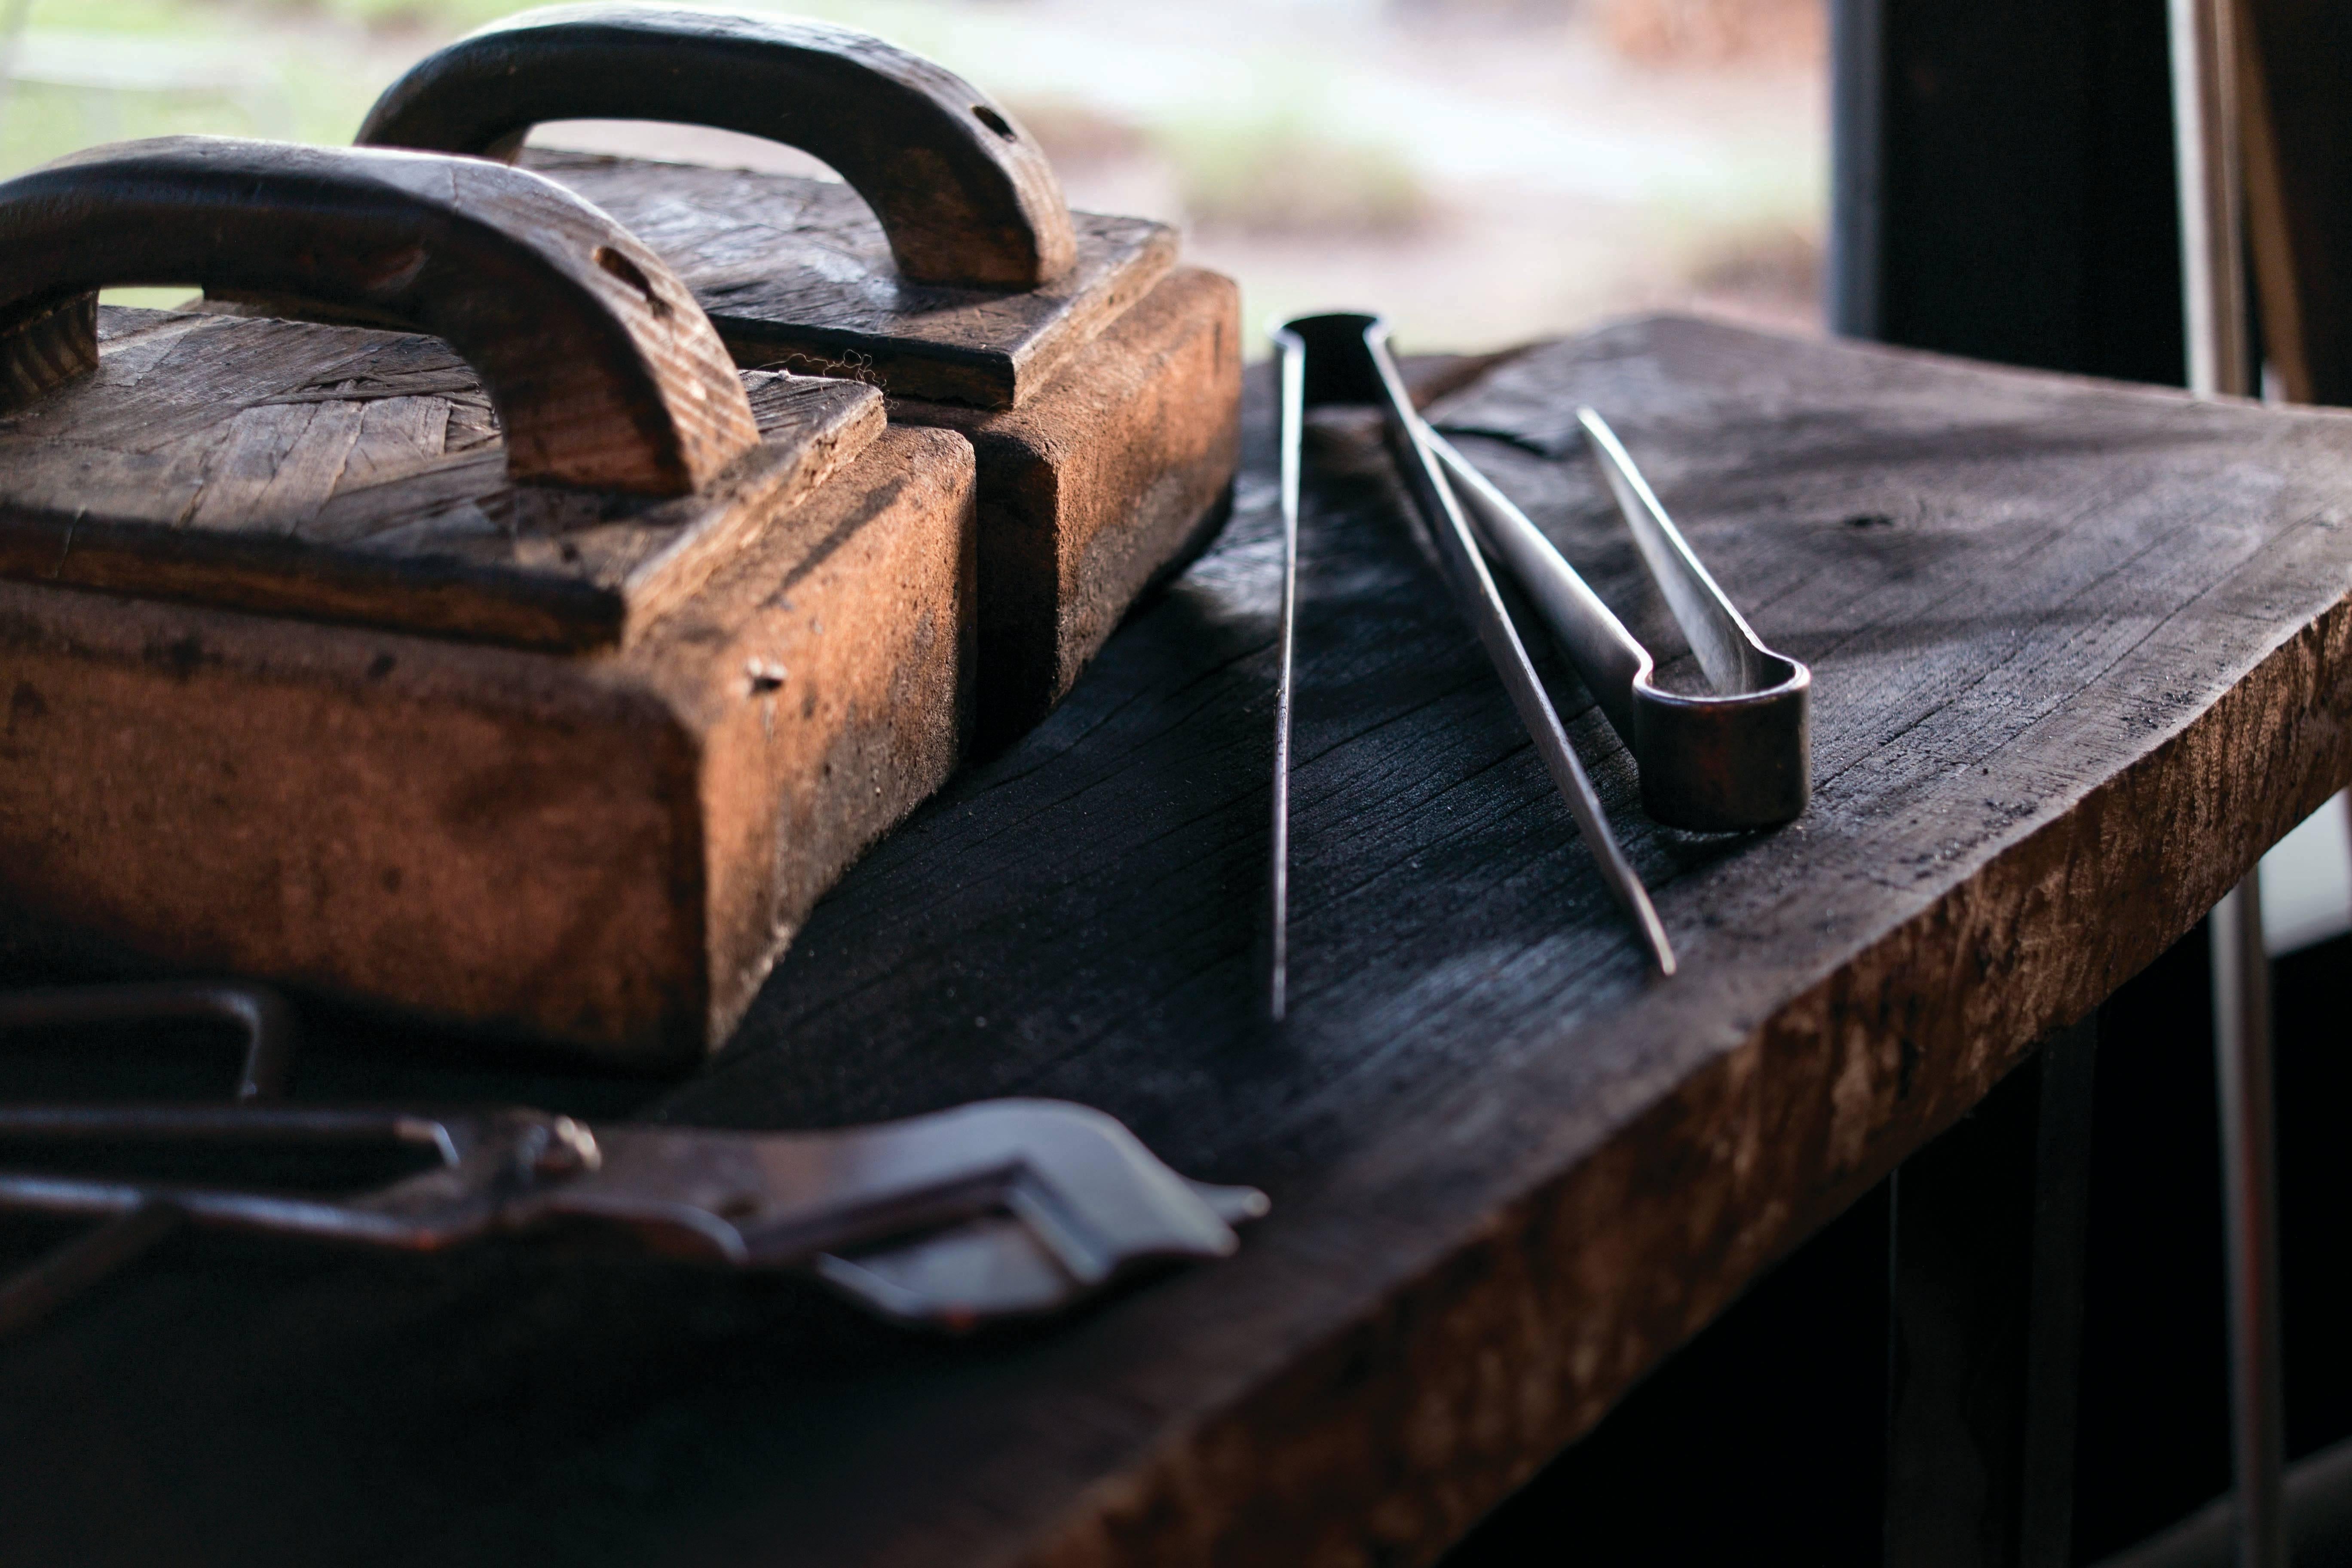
<point x="2209" y="124"/>
<point x="1857" y="141"/>
<point x="2243" y="1064"/>
<point x="2002" y="182"/>
<point x="1986" y="1330"/>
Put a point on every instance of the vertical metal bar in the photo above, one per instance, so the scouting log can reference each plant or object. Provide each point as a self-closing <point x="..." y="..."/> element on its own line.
<point x="1857" y="167"/>
<point x="2205" y="40"/>
<point x="2212" y="196"/>
<point x="2242" y="1058"/>
<point x="1985" y="1323"/>
<point x="2053" y="1350"/>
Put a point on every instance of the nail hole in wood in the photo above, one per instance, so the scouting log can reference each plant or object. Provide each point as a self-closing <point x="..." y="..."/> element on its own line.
<point x="630" y="273"/>
<point x="995" y="121"/>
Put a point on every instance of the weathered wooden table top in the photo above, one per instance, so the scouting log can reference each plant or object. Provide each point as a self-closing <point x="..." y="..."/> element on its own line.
<point x="2081" y="652"/>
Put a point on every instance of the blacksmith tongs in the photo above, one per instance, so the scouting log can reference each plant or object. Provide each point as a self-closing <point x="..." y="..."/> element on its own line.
<point x="1004" y="1208"/>
<point x="1344" y="359"/>
<point x="1737" y="757"/>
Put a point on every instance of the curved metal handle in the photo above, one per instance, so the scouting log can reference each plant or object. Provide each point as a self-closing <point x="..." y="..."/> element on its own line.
<point x="605" y="373"/>
<point x="964" y="196"/>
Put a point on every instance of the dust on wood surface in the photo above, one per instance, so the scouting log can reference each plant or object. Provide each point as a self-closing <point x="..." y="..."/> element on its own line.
<point x="797" y="273"/>
<point x="2082" y="653"/>
<point x="351" y="474"/>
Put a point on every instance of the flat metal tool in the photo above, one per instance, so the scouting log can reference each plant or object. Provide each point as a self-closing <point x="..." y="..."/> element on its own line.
<point x="1739" y="757"/>
<point x="1344" y="359"/>
<point x="1006" y="1208"/>
<point x="32" y="1294"/>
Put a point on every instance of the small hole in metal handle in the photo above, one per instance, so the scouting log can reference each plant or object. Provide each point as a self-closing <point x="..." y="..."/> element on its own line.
<point x="995" y="121"/>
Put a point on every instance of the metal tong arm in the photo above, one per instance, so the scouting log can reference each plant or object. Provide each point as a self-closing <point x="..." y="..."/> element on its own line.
<point x="1734" y="658"/>
<point x="1349" y="362"/>
<point x="1089" y="1192"/>
<point x="262" y="1015"/>
<point x="1606" y="656"/>
<point x="1734" y="760"/>
<point x="1293" y="352"/>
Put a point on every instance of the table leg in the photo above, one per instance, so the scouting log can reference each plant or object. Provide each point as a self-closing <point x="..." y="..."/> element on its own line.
<point x="2242" y="1063"/>
<point x="1985" y="1332"/>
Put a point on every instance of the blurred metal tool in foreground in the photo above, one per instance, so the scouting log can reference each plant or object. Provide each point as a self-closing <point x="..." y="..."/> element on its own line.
<point x="1006" y="1208"/>
<point x="1736" y="758"/>
<point x="1344" y="359"/>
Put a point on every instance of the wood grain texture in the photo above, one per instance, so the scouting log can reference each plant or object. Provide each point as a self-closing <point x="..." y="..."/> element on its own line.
<point x="1122" y="467"/>
<point x="964" y="196"/>
<point x="2082" y="652"/>
<point x="796" y="274"/>
<point x="346" y="474"/>
<point x="604" y="375"/>
<point x="602" y="851"/>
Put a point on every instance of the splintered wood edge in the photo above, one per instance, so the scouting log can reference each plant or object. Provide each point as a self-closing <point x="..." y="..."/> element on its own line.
<point x="1826" y="1095"/>
<point x="1375" y="1426"/>
<point x="922" y="369"/>
<point x="1038" y="361"/>
<point x="747" y="499"/>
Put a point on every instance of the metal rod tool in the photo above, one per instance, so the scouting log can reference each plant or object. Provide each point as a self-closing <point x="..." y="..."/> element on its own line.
<point x="1344" y="359"/>
<point x="1293" y="412"/>
<point x="1738" y="758"/>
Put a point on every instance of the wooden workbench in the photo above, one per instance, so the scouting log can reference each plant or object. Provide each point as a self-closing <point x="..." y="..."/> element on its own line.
<point x="2081" y="652"/>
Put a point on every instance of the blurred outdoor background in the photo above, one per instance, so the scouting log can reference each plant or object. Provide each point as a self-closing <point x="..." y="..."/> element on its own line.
<point x="1484" y="171"/>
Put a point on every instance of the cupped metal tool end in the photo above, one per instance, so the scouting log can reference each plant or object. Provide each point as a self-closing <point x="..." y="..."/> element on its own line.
<point x="1736" y="758"/>
<point x="1344" y="358"/>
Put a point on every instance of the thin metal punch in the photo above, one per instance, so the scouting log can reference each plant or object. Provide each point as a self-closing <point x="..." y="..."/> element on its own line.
<point x="1344" y="359"/>
<point x="1739" y="757"/>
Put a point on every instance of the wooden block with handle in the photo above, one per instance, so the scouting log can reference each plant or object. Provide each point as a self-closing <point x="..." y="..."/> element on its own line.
<point x="1101" y="388"/>
<point x="536" y="675"/>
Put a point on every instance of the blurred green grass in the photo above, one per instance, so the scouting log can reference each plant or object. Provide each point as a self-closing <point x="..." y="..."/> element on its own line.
<point x="101" y="70"/>
<point x="1279" y="173"/>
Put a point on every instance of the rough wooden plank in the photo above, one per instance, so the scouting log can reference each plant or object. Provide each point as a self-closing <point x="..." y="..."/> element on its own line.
<point x="2082" y="651"/>
<point x="354" y="475"/>
<point x="796" y="274"/>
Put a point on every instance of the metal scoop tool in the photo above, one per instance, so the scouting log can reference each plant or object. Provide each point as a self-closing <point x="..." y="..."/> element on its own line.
<point x="1345" y="359"/>
<point x="1739" y="757"/>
